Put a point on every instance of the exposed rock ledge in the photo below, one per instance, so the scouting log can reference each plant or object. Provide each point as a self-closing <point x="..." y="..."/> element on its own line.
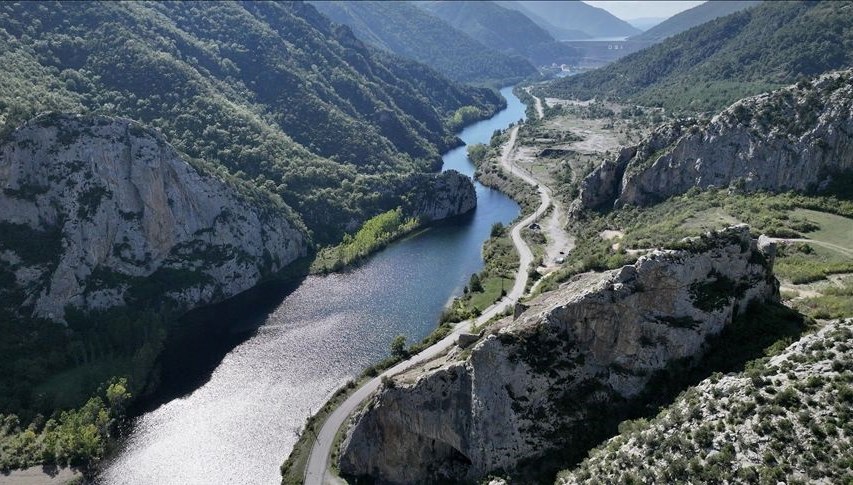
<point x="96" y="210"/>
<point x="795" y="138"/>
<point x="442" y="195"/>
<point x="530" y="384"/>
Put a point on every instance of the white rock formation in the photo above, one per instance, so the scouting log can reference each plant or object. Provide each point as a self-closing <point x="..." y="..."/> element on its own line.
<point x="533" y="383"/>
<point x="92" y="208"/>
<point x="795" y="138"/>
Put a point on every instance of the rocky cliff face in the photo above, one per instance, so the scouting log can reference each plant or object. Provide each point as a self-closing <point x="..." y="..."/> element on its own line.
<point x="533" y="383"/>
<point x="795" y="138"/>
<point x="97" y="212"/>
<point x="442" y="195"/>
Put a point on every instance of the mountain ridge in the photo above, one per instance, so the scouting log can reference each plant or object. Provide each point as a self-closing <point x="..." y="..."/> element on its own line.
<point x="565" y="17"/>
<point x="427" y="39"/>
<point x="502" y="29"/>
<point x="710" y="66"/>
<point x="692" y="17"/>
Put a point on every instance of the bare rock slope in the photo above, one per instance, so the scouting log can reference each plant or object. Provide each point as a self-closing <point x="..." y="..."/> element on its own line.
<point x="795" y="138"/>
<point x="785" y="420"/>
<point x="533" y="383"/>
<point x="439" y="196"/>
<point x="98" y="212"/>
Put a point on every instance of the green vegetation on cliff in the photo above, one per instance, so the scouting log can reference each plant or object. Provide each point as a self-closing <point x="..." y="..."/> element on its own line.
<point x="272" y="97"/>
<point x="633" y="230"/>
<point x="710" y="66"/>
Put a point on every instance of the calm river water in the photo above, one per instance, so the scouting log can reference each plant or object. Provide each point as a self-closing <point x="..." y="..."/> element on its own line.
<point x="238" y="426"/>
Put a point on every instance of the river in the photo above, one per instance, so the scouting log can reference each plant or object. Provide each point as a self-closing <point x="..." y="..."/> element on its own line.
<point x="238" y="424"/>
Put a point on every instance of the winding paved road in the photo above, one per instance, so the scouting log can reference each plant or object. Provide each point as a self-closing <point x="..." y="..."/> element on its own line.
<point x="317" y="470"/>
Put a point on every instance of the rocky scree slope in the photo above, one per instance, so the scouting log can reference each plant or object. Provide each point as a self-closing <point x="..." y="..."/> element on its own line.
<point x="795" y="138"/>
<point x="539" y="382"/>
<point x="98" y="212"/>
<point x="786" y="419"/>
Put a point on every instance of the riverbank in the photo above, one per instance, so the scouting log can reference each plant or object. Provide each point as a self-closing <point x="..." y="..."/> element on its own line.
<point x="234" y="421"/>
<point x="376" y="233"/>
<point x="42" y="475"/>
<point x="316" y="465"/>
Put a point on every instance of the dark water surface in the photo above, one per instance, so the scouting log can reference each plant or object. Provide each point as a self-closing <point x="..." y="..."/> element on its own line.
<point x="237" y="423"/>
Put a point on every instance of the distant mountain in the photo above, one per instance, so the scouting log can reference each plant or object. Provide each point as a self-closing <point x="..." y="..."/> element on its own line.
<point x="710" y="66"/>
<point x="411" y="32"/>
<point x="691" y="18"/>
<point x="556" y="32"/>
<point x="562" y="18"/>
<point x="645" y="23"/>
<point x="503" y="29"/>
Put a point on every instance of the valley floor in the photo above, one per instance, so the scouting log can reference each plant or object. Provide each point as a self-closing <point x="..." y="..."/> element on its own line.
<point x="553" y="153"/>
<point x="317" y="468"/>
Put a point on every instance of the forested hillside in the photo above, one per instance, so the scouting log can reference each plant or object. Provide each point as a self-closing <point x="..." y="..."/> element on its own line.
<point x="714" y="64"/>
<point x="411" y="32"/>
<point x="563" y="18"/>
<point x="272" y="91"/>
<point x="502" y="29"/>
<point x="690" y="18"/>
<point x="218" y="142"/>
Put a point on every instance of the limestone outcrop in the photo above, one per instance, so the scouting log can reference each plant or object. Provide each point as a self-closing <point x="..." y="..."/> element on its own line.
<point x="795" y="138"/>
<point x="533" y="382"/>
<point x="439" y="196"/>
<point x="97" y="212"/>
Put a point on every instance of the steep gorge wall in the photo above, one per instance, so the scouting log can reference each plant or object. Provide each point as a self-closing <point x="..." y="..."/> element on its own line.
<point x="795" y="138"/>
<point x="97" y="212"/>
<point x="439" y="196"/>
<point x="534" y="383"/>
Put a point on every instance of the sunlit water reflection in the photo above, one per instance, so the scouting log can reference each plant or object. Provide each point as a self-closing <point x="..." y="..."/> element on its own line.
<point x="239" y="426"/>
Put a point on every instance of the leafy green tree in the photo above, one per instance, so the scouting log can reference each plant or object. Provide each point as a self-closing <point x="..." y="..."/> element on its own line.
<point x="398" y="346"/>
<point x="474" y="283"/>
<point x="477" y="152"/>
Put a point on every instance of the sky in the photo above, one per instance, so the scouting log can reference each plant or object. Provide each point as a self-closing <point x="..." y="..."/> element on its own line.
<point x="627" y="10"/>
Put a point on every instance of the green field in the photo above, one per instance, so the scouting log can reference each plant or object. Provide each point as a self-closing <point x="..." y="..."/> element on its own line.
<point x="834" y="229"/>
<point x="491" y="292"/>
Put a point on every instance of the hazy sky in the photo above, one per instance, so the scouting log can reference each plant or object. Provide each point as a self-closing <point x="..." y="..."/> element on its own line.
<point x="633" y="9"/>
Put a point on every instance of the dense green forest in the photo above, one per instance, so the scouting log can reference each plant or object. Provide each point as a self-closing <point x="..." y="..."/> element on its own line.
<point x="710" y="66"/>
<point x="411" y="32"/>
<point x="274" y="92"/>
<point x="503" y="29"/>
